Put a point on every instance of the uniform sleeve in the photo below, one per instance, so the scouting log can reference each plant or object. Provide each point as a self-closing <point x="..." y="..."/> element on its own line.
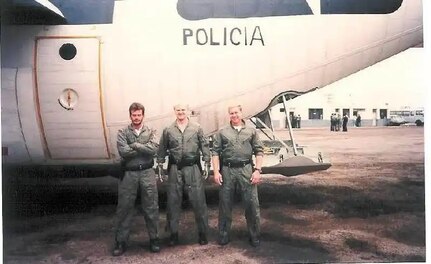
<point x="257" y="144"/>
<point x="124" y="149"/>
<point x="163" y="147"/>
<point x="217" y="145"/>
<point x="150" y="147"/>
<point x="204" y="146"/>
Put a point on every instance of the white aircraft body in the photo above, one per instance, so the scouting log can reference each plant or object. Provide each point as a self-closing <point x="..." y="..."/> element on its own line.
<point x="67" y="81"/>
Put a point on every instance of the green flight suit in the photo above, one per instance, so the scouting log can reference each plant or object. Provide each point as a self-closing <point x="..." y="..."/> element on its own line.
<point x="138" y="153"/>
<point x="236" y="147"/>
<point x="184" y="173"/>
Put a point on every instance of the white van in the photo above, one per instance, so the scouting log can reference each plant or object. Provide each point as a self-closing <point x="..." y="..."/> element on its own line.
<point x="399" y="117"/>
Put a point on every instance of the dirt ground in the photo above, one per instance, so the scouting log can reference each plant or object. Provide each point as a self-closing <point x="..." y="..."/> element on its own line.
<point x="368" y="207"/>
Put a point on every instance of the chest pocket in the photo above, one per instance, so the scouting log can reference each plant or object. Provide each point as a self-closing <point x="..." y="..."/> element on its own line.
<point x="174" y="139"/>
<point x="245" y="138"/>
<point x="191" y="135"/>
<point x="225" y="142"/>
<point x="143" y="138"/>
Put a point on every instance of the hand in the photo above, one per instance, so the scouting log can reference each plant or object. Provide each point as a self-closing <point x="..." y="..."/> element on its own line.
<point x="142" y="140"/>
<point x="255" y="177"/>
<point x="218" y="178"/>
<point x="206" y="170"/>
<point x="134" y="145"/>
<point x="160" y="171"/>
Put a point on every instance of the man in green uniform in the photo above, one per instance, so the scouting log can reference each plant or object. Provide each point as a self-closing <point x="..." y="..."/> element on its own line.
<point x="137" y="147"/>
<point x="184" y="141"/>
<point x="233" y="148"/>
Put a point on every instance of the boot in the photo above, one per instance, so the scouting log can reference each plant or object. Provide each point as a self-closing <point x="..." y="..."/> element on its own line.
<point x="223" y="239"/>
<point x="154" y="245"/>
<point x="173" y="240"/>
<point x="254" y="241"/>
<point x="203" y="239"/>
<point x="119" y="249"/>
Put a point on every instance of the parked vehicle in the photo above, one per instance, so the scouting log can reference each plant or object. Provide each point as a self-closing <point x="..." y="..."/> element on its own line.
<point x="399" y="117"/>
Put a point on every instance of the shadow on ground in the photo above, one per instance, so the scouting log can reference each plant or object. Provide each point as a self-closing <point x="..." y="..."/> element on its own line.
<point x="59" y="201"/>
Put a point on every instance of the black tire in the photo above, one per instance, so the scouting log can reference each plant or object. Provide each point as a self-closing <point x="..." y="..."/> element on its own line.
<point x="419" y="123"/>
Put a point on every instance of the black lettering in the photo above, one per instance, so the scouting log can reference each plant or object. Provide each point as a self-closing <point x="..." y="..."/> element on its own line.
<point x="224" y="36"/>
<point x="257" y="32"/>
<point x="197" y="36"/>
<point x="231" y="35"/>
<point x="213" y="43"/>
<point x="245" y="36"/>
<point x="187" y="32"/>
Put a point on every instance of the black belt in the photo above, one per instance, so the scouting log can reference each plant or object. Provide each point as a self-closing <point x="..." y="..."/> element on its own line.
<point x="184" y="163"/>
<point x="236" y="164"/>
<point x="139" y="167"/>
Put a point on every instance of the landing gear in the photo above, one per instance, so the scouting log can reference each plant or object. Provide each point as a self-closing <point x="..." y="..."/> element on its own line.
<point x="285" y="157"/>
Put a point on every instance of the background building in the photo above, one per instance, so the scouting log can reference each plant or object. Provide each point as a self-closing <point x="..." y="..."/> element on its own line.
<point x="395" y="83"/>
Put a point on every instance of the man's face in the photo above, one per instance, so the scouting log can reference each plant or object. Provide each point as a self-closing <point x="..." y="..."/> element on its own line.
<point x="180" y="112"/>
<point x="235" y="115"/>
<point x="137" y="116"/>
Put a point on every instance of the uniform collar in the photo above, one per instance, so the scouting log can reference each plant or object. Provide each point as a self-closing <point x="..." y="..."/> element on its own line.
<point x="175" y="124"/>
<point x="242" y="124"/>
<point x="143" y="127"/>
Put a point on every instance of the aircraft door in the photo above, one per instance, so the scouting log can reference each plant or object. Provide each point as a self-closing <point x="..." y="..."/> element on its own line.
<point x="69" y="98"/>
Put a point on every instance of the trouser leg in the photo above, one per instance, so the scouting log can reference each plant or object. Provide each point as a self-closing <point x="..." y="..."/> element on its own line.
<point x="196" y="191"/>
<point x="150" y="202"/>
<point x="225" y="202"/>
<point x="175" y="197"/>
<point x="250" y="201"/>
<point x="127" y="190"/>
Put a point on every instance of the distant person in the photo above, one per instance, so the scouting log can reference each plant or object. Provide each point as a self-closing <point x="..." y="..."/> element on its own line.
<point x="298" y="121"/>
<point x="338" y="123"/>
<point x="358" y="120"/>
<point x="345" y="122"/>
<point x="137" y="146"/>
<point x="333" y="120"/>
<point x="294" y="121"/>
<point x="233" y="150"/>
<point x="184" y="141"/>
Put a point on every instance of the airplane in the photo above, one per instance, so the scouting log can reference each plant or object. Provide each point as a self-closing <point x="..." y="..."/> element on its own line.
<point x="70" y="69"/>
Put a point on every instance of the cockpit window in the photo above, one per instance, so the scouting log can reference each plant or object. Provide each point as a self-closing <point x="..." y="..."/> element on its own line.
<point x="75" y="12"/>
<point x="203" y="9"/>
<point x="359" y="7"/>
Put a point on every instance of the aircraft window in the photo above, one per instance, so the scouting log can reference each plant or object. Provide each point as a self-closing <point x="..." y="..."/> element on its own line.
<point x="67" y="51"/>
<point x="359" y="7"/>
<point x="203" y="9"/>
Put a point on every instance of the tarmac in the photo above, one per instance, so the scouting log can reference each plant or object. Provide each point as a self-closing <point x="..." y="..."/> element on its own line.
<point x="369" y="206"/>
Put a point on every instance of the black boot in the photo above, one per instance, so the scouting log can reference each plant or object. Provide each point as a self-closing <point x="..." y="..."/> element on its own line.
<point x="154" y="245"/>
<point x="254" y="241"/>
<point x="203" y="239"/>
<point x="223" y="239"/>
<point x="173" y="240"/>
<point x="119" y="249"/>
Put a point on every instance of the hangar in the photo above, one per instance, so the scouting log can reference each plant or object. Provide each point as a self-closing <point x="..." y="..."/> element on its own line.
<point x="392" y="84"/>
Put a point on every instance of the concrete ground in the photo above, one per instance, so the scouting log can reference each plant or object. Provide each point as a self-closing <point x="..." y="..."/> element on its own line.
<point x="368" y="207"/>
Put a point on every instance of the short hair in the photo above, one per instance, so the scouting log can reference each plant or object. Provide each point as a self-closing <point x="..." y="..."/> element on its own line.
<point x="135" y="107"/>
<point x="178" y="105"/>
<point x="233" y="106"/>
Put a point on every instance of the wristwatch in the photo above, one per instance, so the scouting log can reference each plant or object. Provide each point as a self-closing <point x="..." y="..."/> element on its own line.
<point x="257" y="169"/>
